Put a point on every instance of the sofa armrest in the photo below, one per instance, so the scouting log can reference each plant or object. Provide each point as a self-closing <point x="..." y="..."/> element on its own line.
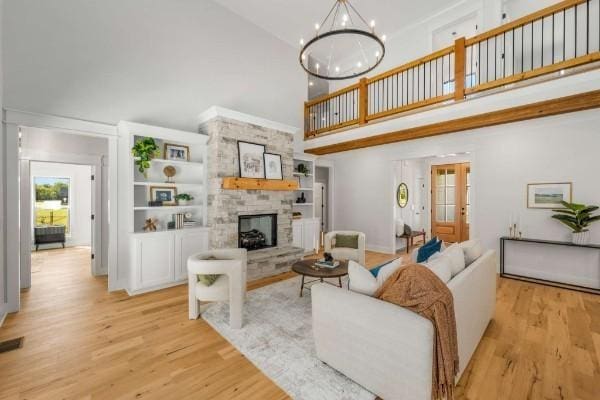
<point x="383" y="347"/>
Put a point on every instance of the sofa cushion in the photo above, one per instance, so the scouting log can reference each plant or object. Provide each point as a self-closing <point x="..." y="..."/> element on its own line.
<point x="472" y="250"/>
<point x="387" y="270"/>
<point x="346" y="241"/>
<point x="428" y="249"/>
<point x="442" y="267"/>
<point x="456" y="257"/>
<point x="361" y="280"/>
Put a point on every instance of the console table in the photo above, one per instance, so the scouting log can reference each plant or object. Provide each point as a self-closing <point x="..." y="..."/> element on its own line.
<point x="551" y="262"/>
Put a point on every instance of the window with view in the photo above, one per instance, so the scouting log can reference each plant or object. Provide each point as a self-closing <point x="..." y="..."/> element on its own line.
<point x="52" y="203"/>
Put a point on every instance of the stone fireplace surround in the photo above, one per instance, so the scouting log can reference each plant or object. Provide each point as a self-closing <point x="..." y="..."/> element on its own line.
<point x="224" y="206"/>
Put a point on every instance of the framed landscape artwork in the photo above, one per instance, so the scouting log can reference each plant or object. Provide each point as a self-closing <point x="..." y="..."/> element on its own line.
<point x="251" y="158"/>
<point x="273" y="166"/>
<point x="548" y="195"/>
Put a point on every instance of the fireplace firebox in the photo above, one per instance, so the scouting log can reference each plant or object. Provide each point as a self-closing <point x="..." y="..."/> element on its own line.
<point x="257" y="231"/>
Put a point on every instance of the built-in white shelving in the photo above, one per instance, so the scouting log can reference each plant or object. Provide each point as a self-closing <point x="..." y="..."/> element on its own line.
<point x="152" y="260"/>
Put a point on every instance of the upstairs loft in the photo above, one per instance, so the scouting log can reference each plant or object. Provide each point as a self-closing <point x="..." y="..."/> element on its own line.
<point x="548" y="44"/>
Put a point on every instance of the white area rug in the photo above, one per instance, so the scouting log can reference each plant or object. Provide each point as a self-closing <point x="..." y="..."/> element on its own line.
<point x="277" y="337"/>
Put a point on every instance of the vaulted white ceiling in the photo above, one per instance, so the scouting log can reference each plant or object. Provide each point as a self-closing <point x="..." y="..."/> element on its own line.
<point x="290" y="20"/>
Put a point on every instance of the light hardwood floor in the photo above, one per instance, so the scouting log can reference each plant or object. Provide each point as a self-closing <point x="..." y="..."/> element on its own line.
<point x="84" y="343"/>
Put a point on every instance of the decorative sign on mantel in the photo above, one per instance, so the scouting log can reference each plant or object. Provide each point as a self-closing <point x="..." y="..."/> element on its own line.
<point x="235" y="183"/>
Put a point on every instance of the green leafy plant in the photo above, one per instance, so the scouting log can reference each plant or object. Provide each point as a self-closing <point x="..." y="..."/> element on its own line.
<point x="144" y="150"/>
<point x="184" y="196"/>
<point x="576" y="216"/>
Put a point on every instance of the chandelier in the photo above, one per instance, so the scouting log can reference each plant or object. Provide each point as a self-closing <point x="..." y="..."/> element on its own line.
<point x="345" y="45"/>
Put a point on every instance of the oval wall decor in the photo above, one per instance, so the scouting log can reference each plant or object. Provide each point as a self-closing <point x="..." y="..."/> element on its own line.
<point x="402" y="195"/>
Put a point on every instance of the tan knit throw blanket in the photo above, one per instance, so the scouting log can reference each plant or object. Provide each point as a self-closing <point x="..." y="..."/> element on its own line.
<point x="418" y="289"/>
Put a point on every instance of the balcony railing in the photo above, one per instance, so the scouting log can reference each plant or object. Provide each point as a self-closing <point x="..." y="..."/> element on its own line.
<point x="559" y="37"/>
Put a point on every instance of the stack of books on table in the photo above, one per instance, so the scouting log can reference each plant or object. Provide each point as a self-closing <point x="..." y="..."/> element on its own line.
<point x="326" y="264"/>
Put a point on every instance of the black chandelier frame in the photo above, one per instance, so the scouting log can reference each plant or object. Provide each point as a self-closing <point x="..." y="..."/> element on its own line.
<point x="349" y="31"/>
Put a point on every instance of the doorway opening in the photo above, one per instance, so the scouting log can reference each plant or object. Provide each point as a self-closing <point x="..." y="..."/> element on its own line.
<point x="64" y="205"/>
<point x="433" y="198"/>
<point x="322" y="195"/>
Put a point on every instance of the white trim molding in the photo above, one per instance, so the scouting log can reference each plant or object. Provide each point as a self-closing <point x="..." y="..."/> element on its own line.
<point x="216" y="111"/>
<point x="79" y="126"/>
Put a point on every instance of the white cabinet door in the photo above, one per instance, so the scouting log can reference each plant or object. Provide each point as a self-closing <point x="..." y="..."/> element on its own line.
<point x="154" y="260"/>
<point x="187" y="244"/>
<point x="310" y="235"/>
<point x="297" y="233"/>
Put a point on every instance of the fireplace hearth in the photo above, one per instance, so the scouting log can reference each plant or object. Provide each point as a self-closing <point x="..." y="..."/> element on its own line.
<point x="257" y="232"/>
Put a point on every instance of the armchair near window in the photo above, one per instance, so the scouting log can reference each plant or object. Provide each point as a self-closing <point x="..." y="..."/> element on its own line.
<point x="338" y="248"/>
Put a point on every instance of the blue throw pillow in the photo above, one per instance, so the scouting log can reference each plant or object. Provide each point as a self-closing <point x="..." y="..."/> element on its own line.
<point x="428" y="249"/>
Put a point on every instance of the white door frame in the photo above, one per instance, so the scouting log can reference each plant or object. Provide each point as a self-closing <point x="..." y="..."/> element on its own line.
<point x="323" y="163"/>
<point x="13" y="120"/>
<point x="95" y="162"/>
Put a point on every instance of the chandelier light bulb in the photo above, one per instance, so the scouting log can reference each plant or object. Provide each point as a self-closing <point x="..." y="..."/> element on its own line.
<point x="377" y="54"/>
<point x="359" y="64"/>
<point x="303" y="56"/>
<point x="345" y="17"/>
<point x="337" y="69"/>
<point x="383" y="37"/>
<point x="317" y="26"/>
<point x="317" y="66"/>
<point x="301" y="42"/>
<point x="372" y="24"/>
<point x="310" y="83"/>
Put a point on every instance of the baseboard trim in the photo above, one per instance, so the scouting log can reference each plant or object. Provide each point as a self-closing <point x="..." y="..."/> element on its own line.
<point x="3" y="314"/>
<point x="154" y="288"/>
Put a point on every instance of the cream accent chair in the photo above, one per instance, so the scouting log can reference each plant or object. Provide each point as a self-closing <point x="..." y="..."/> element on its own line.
<point x="231" y="264"/>
<point x="343" y="253"/>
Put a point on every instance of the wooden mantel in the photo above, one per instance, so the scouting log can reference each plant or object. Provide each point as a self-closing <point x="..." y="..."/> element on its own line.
<point x="235" y="183"/>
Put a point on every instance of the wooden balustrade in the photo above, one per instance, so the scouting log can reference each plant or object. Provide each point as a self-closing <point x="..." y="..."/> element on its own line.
<point x="562" y="36"/>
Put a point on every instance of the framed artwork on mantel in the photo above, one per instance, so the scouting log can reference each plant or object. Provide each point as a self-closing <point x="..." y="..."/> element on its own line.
<point x="251" y="160"/>
<point x="549" y="195"/>
<point x="273" y="166"/>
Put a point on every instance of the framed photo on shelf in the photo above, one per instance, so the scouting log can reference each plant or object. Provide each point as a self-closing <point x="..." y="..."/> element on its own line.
<point x="177" y="152"/>
<point x="251" y="160"/>
<point x="273" y="166"/>
<point x="164" y="194"/>
<point x="549" y="195"/>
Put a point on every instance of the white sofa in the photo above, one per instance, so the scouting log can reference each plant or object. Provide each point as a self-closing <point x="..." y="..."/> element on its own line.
<point x="388" y="349"/>
<point x="343" y="253"/>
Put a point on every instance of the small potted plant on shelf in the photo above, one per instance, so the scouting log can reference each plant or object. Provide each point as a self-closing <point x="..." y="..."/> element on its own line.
<point x="183" y="199"/>
<point x="144" y="150"/>
<point x="303" y="169"/>
<point x="577" y="217"/>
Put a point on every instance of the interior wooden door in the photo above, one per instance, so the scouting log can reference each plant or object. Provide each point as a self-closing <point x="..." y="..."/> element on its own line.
<point x="450" y="201"/>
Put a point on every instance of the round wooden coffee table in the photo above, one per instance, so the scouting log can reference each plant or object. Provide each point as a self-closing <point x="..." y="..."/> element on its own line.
<point x="307" y="268"/>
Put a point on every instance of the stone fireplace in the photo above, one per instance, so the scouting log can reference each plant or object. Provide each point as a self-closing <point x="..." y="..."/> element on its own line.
<point x="227" y="210"/>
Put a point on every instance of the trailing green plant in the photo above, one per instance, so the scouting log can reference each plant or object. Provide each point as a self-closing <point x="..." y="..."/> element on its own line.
<point x="144" y="150"/>
<point x="184" y="196"/>
<point x="576" y="216"/>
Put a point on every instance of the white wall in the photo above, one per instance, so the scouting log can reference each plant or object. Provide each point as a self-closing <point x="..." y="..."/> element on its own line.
<point x="158" y="62"/>
<point x="3" y="271"/>
<point x="504" y="159"/>
<point x="79" y="197"/>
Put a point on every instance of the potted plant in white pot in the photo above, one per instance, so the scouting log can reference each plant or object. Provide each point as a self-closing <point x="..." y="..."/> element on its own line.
<point x="577" y="217"/>
<point x="183" y="199"/>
